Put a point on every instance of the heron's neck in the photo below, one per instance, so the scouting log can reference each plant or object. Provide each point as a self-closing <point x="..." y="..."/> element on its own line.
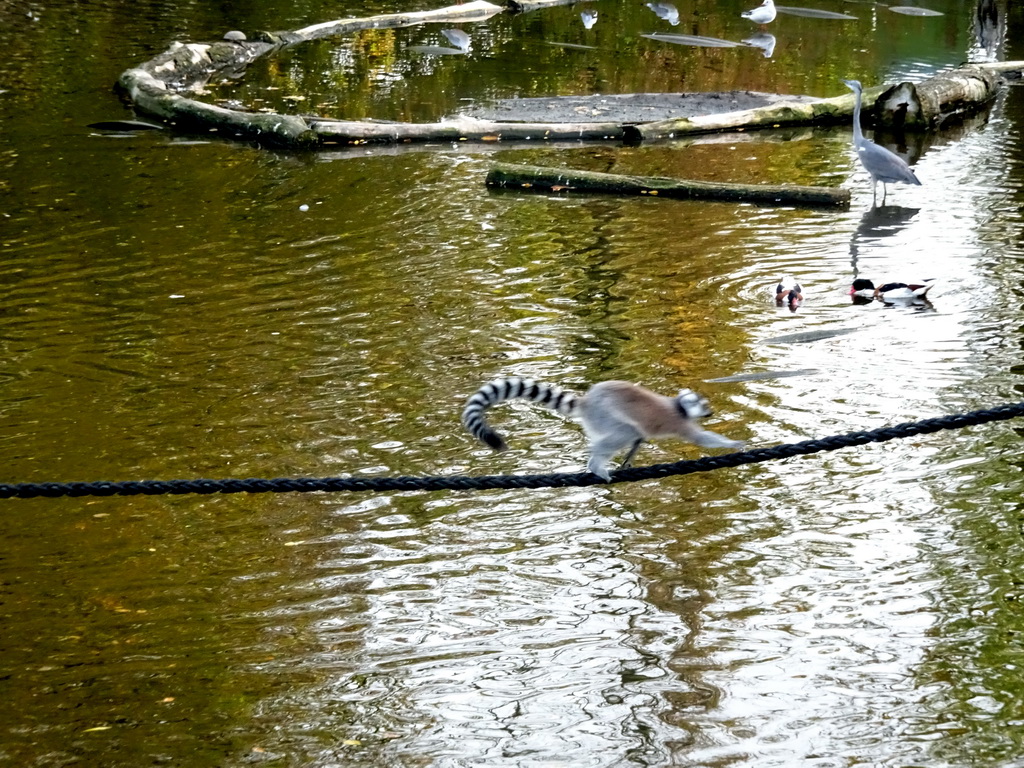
<point x="857" y="134"/>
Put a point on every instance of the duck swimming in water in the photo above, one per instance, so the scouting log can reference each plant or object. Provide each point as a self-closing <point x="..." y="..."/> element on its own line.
<point x="890" y="291"/>
<point x="788" y="291"/>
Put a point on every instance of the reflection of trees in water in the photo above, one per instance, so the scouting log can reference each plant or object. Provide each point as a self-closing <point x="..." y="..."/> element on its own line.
<point x="990" y="26"/>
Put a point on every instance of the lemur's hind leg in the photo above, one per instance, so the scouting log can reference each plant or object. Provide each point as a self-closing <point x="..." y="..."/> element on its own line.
<point x="632" y="452"/>
<point x="603" y="448"/>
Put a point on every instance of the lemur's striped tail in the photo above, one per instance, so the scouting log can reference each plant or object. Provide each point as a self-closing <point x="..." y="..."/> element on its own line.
<point x="498" y="391"/>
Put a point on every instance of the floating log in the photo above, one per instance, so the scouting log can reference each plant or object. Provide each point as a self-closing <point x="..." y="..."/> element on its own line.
<point x="928" y="104"/>
<point x="125" y="126"/>
<point x="540" y="179"/>
<point x="806" y="337"/>
<point x="153" y="98"/>
<point x="694" y="40"/>
<point x="911" y="10"/>
<point x="355" y="132"/>
<point x="775" y="116"/>
<point x="762" y="376"/>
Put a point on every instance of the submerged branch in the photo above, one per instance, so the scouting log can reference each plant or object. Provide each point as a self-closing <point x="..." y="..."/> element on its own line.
<point x="540" y="179"/>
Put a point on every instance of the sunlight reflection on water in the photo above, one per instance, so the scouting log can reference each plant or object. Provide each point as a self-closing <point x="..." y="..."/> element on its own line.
<point x="814" y="602"/>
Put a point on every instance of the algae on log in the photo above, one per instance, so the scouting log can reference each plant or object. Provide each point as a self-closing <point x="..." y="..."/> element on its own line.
<point x="925" y="105"/>
<point x="540" y="179"/>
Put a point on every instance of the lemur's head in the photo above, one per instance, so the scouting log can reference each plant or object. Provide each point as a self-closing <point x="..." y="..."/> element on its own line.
<point x="692" y="405"/>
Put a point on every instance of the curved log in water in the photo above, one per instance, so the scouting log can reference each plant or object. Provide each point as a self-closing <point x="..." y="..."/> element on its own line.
<point x="164" y="88"/>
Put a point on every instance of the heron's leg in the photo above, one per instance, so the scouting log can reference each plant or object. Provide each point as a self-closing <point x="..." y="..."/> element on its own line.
<point x="884" y="190"/>
<point x="632" y="452"/>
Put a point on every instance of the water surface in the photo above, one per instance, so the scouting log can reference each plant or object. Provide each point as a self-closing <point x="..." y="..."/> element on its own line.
<point x="169" y="310"/>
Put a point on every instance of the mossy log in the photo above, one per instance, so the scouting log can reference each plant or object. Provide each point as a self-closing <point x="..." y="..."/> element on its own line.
<point x="774" y="116"/>
<point x="926" y="105"/>
<point x="907" y="106"/>
<point x="153" y="97"/>
<point x="535" y="178"/>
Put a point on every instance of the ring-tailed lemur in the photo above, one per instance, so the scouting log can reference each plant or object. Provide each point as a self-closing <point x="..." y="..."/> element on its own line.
<point x="615" y="415"/>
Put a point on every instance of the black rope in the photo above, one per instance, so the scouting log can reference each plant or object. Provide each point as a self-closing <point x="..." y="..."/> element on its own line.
<point x="490" y="482"/>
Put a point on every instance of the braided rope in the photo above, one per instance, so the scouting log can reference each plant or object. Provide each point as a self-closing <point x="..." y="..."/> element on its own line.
<point x="491" y="482"/>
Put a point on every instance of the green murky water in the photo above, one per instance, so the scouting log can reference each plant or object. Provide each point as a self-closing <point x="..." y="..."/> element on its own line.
<point x="169" y="311"/>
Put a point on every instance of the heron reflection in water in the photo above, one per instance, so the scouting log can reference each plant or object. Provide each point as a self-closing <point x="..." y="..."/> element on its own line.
<point x="876" y="225"/>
